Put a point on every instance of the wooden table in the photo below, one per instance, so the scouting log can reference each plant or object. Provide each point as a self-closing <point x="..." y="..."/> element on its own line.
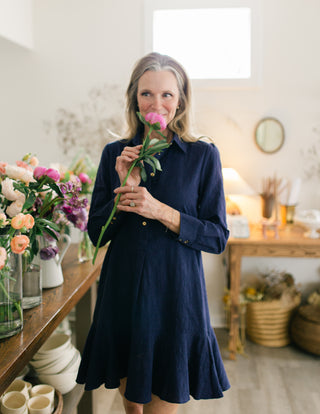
<point x="291" y="243"/>
<point x="40" y="322"/>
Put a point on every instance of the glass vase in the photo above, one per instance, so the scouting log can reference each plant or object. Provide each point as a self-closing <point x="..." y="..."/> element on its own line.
<point x="11" y="314"/>
<point x="85" y="248"/>
<point x="31" y="283"/>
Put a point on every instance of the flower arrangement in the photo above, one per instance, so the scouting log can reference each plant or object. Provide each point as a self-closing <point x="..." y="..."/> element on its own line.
<point x="155" y="122"/>
<point x="271" y="285"/>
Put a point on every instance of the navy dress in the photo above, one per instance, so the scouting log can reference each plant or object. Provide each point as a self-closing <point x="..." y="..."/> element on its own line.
<point x="151" y="321"/>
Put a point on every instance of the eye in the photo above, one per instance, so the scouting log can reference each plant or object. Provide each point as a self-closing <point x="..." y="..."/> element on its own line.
<point x="167" y="95"/>
<point x="145" y="93"/>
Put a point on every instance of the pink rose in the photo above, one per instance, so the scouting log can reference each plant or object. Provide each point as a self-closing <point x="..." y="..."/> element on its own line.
<point x="9" y="192"/>
<point x="153" y="118"/>
<point x="17" y="222"/>
<point x="19" y="244"/>
<point x="53" y="174"/>
<point x="19" y="173"/>
<point x="14" y="208"/>
<point x="84" y="178"/>
<point x="39" y="172"/>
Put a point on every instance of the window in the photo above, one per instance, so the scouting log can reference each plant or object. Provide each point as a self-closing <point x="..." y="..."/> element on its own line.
<point x="214" y="40"/>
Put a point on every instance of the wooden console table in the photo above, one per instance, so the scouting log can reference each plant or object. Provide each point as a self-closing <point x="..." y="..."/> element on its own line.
<point x="291" y="243"/>
<point x="41" y="321"/>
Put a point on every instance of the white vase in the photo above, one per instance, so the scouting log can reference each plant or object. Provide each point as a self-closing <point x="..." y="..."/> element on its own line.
<point x="52" y="275"/>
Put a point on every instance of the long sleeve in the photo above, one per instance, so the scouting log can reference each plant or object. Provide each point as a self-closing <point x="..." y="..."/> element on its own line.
<point x="103" y="196"/>
<point x="208" y="230"/>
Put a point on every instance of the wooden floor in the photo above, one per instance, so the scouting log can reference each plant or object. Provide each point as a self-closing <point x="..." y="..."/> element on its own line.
<point x="265" y="381"/>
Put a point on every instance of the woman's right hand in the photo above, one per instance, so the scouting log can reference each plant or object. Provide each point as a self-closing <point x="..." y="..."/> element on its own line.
<point x="124" y="162"/>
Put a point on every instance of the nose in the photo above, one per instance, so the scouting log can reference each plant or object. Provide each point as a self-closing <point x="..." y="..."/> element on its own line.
<point x="156" y="103"/>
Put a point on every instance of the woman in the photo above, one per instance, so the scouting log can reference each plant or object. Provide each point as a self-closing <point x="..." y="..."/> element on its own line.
<point x="151" y="334"/>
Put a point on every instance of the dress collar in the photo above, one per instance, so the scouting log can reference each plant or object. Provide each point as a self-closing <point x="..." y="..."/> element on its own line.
<point x="136" y="140"/>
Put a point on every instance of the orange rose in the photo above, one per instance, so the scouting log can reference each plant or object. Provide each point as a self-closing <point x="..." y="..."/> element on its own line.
<point x="17" y="222"/>
<point x="19" y="244"/>
<point x="28" y="221"/>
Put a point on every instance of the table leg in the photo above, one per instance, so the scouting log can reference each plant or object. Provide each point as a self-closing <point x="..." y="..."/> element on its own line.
<point x="235" y="276"/>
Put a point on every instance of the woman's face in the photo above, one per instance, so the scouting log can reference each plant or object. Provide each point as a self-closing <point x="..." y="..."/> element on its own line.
<point x="158" y="92"/>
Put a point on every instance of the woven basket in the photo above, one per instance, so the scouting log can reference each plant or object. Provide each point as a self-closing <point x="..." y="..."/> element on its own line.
<point x="267" y="323"/>
<point x="305" y="328"/>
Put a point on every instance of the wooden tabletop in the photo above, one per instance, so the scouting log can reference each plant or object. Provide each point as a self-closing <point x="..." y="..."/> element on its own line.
<point x="40" y="322"/>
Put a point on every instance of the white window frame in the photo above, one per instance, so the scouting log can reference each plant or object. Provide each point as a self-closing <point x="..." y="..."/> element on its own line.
<point x="255" y="79"/>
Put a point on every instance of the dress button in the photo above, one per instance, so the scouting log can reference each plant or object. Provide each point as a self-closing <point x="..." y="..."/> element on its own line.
<point x="144" y="223"/>
<point x="152" y="174"/>
<point x="180" y="240"/>
<point x="186" y="241"/>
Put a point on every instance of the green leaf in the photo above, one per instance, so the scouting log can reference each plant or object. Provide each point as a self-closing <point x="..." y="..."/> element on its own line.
<point x="55" y="188"/>
<point x="154" y="141"/>
<point x="143" y="174"/>
<point x="29" y="201"/>
<point x="150" y="162"/>
<point x="50" y="232"/>
<point x="156" y="162"/>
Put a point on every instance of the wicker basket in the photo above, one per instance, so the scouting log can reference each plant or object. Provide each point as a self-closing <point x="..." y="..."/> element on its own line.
<point x="267" y="323"/>
<point x="305" y="328"/>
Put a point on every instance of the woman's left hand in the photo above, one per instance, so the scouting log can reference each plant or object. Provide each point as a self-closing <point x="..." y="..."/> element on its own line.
<point x="138" y="200"/>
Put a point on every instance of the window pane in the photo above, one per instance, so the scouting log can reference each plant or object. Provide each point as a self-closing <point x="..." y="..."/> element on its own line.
<point x="210" y="43"/>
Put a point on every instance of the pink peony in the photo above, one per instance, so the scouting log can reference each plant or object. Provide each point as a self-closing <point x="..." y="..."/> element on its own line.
<point x="9" y="192"/>
<point x="24" y="165"/>
<point x="84" y="178"/>
<point x="2" y="167"/>
<point x="14" y="208"/>
<point x="39" y="172"/>
<point x="18" y="173"/>
<point x="153" y="118"/>
<point x="53" y="174"/>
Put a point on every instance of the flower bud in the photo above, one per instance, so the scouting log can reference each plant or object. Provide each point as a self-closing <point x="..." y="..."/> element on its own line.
<point x="53" y="174"/>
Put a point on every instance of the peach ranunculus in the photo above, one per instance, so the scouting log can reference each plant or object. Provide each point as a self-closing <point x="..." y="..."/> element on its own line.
<point x="19" y="173"/>
<point x="34" y="161"/>
<point x="2" y="167"/>
<point x="17" y="222"/>
<point x="24" y="165"/>
<point x="28" y="221"/>
<point x="3" y="257"/>
<point x="14" y="208"/>
<point x="19" y="243"/>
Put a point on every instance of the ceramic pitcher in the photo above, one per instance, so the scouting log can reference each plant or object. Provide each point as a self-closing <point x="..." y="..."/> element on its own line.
<point x="52" y="275"/>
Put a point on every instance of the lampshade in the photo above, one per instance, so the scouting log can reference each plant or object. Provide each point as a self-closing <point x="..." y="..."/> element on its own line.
<point x="234" y="184"/>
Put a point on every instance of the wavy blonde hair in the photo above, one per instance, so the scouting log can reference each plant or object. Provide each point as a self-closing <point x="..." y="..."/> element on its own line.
<point x="157" y="62"/>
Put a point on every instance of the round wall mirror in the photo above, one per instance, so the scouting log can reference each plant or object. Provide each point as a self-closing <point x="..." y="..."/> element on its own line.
<point x="269" y="135"/>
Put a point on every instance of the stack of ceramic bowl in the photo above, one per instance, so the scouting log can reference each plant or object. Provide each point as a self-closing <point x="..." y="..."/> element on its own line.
<point x="57" y="362"/>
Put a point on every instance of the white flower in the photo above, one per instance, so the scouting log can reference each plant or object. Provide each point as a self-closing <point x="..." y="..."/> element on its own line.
<point x="14" y="208"/>
<point x="19" y="173"/>
<point x="9" y="192"/>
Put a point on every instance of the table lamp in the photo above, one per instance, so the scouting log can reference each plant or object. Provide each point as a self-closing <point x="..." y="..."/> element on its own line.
<point x="234" y="184"/>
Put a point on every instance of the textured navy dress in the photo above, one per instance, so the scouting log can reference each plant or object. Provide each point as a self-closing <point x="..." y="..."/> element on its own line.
<point x="151" y="321"/>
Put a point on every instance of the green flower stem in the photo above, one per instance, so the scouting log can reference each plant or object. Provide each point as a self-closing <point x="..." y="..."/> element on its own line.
<point x="16" y="304"/>
<point x="104" y="228"/>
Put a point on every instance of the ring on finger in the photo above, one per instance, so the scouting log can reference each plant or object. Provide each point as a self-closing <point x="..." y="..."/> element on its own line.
<point x="132" y="188"/>
<point x="132" y="204"/>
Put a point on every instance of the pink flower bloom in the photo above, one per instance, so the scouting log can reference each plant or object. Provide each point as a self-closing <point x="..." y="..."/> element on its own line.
<point x="2" y="167"/>
<point x="153" y="118"/>
<point x="19" y="244"/>
<point x="53" y="174"/>
<point x="9" y="192"/>
<point x="39" y="172"/>
<point x="84" y="178"/>
<point x="24" y="165"/>
<point x="18" y="173"/>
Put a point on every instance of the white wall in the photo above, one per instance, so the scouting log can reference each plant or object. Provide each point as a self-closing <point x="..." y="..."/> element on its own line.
<point x="79" y="44"/>
<point x="16" y="21"/>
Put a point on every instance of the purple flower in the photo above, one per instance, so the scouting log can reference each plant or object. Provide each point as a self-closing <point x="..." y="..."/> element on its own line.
<point x="39" y="172"/>
<point x="53" y="174"/>
<point x="153" y="118"/>
<point x="47" y="253"/>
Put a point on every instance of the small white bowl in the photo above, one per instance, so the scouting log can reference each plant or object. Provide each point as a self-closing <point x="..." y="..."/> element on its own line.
<point x="73" y="365"/>
<point x="58" y="364"/>
<point x="55" y="345"/>
<point x="63" y="382"/>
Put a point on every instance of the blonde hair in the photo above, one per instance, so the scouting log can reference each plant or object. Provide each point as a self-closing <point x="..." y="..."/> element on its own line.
<point x="157" y="62"/>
